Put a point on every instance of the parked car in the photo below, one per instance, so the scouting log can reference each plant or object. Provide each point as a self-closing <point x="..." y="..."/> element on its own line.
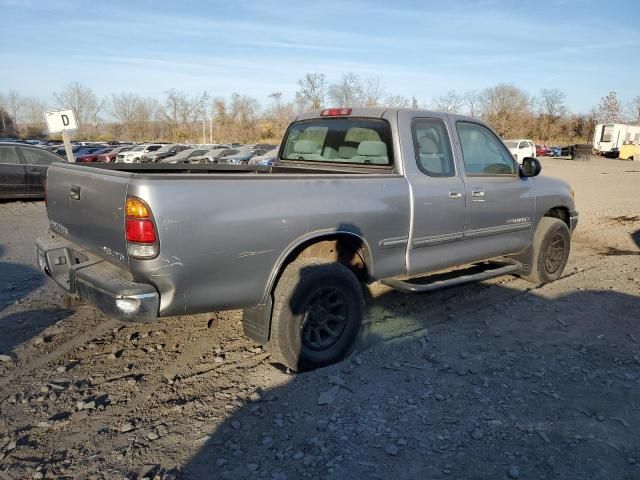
<point x="23" y="169"/>
<point x="165" y="152"/>
<point x="213" y="155"/>
<point x="242" y="157"/>
<point x="266" y="159"/>
<point x="361" y="195"/>
<point x="185" y="155"/>
<point x="541" y="150"/>
<point x="111" y="155"/>
<point x="134" y="155"/>
<point x="521" y="148"/>
<point x="93" y="156"/>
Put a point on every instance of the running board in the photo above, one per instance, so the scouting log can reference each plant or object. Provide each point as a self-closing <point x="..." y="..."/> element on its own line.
<point x="406" y="286"/>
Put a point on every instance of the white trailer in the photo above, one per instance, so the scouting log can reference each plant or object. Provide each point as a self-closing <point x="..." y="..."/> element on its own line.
<point x="609" y="137"/>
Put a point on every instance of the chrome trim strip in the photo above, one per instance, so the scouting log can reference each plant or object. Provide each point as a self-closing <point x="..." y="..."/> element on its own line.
<point x="483" y="232"/>
<point x="393" y="242"/>
<point x="436" y="239"/>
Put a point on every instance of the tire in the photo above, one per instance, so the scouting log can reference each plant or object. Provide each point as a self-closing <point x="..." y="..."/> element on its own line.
<point x="550" y="251"/>
<point x="307" y="291"/>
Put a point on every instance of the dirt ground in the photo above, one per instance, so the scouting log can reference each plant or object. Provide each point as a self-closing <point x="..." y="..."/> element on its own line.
<point x="497" y="380"/>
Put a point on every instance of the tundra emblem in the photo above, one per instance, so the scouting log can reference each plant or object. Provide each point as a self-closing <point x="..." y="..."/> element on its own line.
<point x="113" y="253"/>
<point x="58" y="228"/>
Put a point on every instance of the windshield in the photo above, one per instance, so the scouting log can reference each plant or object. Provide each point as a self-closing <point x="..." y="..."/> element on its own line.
<point x="340" y="140"/>
<point x="510" y="144"/>
<point x="166" y="148"/>
<point x="139" y="149"/>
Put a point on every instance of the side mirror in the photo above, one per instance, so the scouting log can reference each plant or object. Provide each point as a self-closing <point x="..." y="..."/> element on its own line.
<point x="530" y="167"/>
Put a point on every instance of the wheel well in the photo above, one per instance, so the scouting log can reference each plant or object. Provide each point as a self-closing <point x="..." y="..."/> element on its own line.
<point x="341" y="247"/>
<point x="561" y="213"/>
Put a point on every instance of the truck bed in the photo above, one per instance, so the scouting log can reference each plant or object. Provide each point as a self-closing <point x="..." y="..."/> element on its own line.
<point x="187" y="168"/>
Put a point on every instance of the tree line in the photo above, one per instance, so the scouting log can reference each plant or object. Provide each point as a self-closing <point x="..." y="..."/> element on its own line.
<point x="182" y="117"/>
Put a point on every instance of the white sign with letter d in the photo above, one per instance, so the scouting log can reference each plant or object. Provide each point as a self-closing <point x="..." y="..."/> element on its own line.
<point x="60" y="121"/>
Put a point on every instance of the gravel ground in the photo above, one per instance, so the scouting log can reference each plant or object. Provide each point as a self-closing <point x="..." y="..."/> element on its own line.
<point x="497" y="380"/>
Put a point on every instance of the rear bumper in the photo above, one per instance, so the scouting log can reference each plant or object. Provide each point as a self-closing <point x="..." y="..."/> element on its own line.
<point x="573" y="219"/>
<point x="80" y="273"/>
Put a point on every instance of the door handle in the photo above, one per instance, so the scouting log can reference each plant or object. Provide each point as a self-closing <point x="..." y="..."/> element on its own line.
<point x="477" y="192"/>
<point x="33" y="170"/>
<point x="455" y="195"/>
<point x="75" y="192"/>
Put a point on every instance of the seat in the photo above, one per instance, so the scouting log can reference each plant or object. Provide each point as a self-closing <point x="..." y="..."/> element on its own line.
<point x="347" y="152"/>
<point x="432" y="156"/>
<point x="306" y="150"/>
<point x="373" y="152"/>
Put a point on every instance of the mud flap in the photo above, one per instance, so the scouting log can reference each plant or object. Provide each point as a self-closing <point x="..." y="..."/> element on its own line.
<point x="525" y="258"/>
<point x="256" y="322"/>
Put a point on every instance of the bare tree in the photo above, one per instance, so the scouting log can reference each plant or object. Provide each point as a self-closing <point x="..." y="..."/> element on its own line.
<point x="278" y="116"/>
<point x="609" y="109"/>
<point x="83" y="101"/>
<point x="347" y="92"/>
<point x="552" y="102"/>
<point x="244" y="111"/>
<point x="451" y="102"/>
<point x="414" y="103"/>
<point x="15" y="105"/>
<point x="312" y="91"/>
<point x="634" y="110"/>
<point x="124" y="108"/>
<point x="372" y="92"/>
<point x="397" y="101"/>
<point x="506" y="108"/>
<point x="33" y="117"/>
<point x="471" y="98"/>
<point x="6" y="122"/>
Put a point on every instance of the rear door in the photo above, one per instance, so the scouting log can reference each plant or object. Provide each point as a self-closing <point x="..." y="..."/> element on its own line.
<point x="12" y="173"/>
<point x="437" y="193"/>
<point x="500" y="205"/>
<point x="36" y="163"/>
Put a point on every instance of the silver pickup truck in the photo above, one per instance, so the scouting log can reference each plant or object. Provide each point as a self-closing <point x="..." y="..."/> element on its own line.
<point x="356" y="196"/>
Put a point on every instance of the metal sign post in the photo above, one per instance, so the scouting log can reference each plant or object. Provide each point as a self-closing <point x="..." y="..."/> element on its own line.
<point x="62" y="121"/>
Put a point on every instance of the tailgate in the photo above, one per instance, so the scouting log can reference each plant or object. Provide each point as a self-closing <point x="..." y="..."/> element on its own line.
<point x="86" y="206"/>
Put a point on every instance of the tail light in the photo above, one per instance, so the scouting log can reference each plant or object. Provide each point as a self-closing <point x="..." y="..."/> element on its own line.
<point x="140" y="228"/>
<point x="335" y="112"/>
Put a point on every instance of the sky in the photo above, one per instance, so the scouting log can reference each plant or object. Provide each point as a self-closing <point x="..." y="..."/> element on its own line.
<point x="256" y="47"/>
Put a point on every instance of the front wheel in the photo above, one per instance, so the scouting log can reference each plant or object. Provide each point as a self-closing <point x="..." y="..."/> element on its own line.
<point x="317" y="312"/>
<point x="550" y="251"/>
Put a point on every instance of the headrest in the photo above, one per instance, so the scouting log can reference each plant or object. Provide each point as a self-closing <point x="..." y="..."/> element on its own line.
<point x="372" y="148"/>
<point x="345" y="151"/>
<point x="428" y="145"/>
<point x="305" y="146"/>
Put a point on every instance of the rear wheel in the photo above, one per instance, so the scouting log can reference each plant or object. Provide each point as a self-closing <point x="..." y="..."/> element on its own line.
<point x="551" y="246"/>
<point x="317" y="312"/>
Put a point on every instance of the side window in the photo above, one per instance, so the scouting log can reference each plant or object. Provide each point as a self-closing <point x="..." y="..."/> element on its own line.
<point x="432" y="147"/>
<point x="523" y="145"/>
<point x="8" y="155"/>
<point x="482" y="152"/>
<point x="35" y="157"/>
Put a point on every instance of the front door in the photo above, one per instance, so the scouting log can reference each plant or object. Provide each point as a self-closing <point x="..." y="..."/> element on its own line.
<point x="500" y="204"/>
<point x="437" y="193"/>
<point x="12" y="173"/>
<point x="36" y="164"/>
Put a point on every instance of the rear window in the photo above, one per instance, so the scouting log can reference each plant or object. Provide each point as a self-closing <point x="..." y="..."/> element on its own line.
<point x="340" y="140"/>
